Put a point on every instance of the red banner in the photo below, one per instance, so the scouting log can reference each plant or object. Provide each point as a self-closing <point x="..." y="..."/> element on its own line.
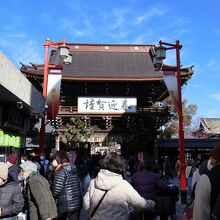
<point x="53" y="95"/>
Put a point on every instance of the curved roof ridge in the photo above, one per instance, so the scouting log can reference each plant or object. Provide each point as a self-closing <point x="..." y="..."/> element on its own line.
<point x="109" y="44"/>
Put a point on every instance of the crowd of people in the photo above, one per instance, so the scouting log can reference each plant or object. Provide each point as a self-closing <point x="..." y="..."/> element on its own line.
<point x="205" y="195"/>
<point x="60" y="188"/>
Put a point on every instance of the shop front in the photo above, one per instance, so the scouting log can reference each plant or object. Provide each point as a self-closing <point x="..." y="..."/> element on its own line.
<point x="10" y="143"/>
<point x="21" y="105"/>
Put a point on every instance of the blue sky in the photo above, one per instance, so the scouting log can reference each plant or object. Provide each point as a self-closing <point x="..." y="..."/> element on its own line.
<point x="25" y="24"/>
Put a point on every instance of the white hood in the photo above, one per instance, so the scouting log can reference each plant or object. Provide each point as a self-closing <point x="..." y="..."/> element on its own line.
<point x="107" y="180"/>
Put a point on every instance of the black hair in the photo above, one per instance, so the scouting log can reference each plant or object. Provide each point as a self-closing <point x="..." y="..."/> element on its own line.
<point x="25" y="157"/>
<point x="114" y="163"/>
<point x="146" y="165"/>
<point x="61" y="157"/>
<point x="30" y="158"/>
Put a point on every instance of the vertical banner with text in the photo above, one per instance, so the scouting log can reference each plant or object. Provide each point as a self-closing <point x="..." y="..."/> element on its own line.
<point x="170" y="81"/>
<point x="53" y="95"/>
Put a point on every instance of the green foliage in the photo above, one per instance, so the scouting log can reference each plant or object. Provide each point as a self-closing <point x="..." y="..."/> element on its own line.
<point x="171" y="128"/>
<point x="75" y="131"/>
<point x="135" y="137"/>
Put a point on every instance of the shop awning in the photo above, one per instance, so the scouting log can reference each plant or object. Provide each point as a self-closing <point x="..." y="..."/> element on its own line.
<point x="8" y="139"/>
<point x="17" y="87"/>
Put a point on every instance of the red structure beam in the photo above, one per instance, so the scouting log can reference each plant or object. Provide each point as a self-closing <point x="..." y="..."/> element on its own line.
<point x="183" y="182"/>
<point x="47" y="45"/>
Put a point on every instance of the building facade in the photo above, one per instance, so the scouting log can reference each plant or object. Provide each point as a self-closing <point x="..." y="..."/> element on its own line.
<point x="113" y="88"/>
<point x="21" y="104"/>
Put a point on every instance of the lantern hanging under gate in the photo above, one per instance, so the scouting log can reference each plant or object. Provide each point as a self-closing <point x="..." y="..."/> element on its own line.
<point x="64" y="51"/>
<point x="160" y="52"/>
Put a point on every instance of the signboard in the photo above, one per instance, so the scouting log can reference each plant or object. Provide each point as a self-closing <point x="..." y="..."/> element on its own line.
<point x="32" y="142"/>
<point x="107" y="105"/>
<point x="3" y="158"/>
<point x="98" y="137"/>
<point x="7" y="140"/>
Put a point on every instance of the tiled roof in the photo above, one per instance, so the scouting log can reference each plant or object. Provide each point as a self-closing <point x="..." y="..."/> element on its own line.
<point x="210" y="125"/>
<point x="110" y="64"/>
<point x="108" y="61"/>
<point x="188" y="143"/>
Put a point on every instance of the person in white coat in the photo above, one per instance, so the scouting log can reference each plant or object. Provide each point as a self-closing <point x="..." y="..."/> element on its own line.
<point x="198" y="172"/>
<point x="207" y="188"/>
<point x="114" y="195"/>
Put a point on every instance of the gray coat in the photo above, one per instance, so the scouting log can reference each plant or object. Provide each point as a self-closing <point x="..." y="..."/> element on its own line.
<point x="40" y="200"/>
<point x="11" y="199"/>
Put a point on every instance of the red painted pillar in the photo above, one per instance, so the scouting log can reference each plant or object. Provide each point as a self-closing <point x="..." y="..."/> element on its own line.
<point x="45" y="81"/>
<point x="183" y="183"/>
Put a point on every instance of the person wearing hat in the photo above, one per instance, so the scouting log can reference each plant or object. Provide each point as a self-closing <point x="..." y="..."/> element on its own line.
<point x="41" y="204"/>
<point x="13" y="168"/>
<point x="11" y="198"/>
<point x="208" y="188"/>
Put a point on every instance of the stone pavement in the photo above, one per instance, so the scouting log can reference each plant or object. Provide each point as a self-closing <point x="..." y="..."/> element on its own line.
<point x="179" y="206"/>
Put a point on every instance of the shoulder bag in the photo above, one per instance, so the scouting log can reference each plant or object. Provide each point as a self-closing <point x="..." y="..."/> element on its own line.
<point x="97" y="206"/>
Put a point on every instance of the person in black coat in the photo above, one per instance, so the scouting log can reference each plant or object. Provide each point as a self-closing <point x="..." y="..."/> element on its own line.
<point x="11" y="198"/>
<point x="13" y="169"/>
<point x="66" y="188"/>
<point x="149" y="185"/>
